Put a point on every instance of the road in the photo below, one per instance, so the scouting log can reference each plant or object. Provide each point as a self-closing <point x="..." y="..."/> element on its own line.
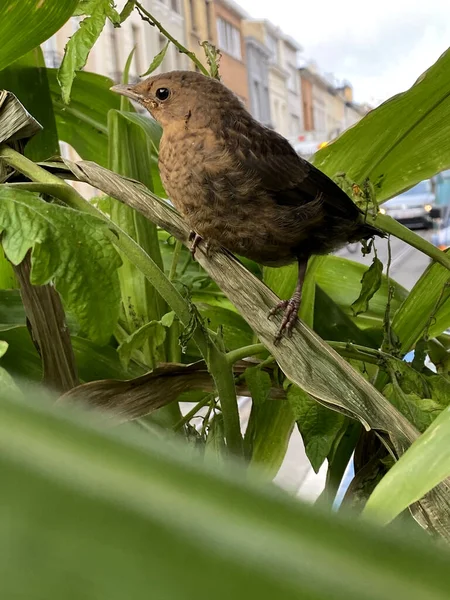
<point x="407" y="263"/>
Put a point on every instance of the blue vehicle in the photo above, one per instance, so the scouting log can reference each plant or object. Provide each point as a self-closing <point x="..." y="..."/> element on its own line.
<point x="412" y="208"/>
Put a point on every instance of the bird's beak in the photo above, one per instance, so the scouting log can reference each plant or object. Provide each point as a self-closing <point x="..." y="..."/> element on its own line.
<point x="126" y="90"/>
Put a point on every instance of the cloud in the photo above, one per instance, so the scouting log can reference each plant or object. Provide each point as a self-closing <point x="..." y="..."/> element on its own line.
<point x="381" y="47"/>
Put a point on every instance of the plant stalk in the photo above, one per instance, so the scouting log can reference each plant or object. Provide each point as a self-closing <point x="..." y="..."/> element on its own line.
<point x="217" y="363"/>
<point x="149" y="18"/>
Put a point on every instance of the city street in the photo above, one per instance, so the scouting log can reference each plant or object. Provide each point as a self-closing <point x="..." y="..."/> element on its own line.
<point x="407" y="263"/>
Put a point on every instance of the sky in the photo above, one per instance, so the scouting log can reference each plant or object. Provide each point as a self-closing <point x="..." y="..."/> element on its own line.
<point x="381" y="46"/>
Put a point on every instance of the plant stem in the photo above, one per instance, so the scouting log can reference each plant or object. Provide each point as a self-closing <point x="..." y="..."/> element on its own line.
<point x="146" y="16"/>
<point x="222" y="373"/>
<point x="356" y="352"/>
<point x="390" y="225"/>
<point x="234" y="355"/>
<point x="188" y="416"/>
<point x="175" y="258"/>
<point x="217" y="363"/>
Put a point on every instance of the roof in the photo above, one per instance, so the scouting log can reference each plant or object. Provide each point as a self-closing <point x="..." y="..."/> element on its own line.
<point x="277" y="32"/>
<point x="236" y="8"/>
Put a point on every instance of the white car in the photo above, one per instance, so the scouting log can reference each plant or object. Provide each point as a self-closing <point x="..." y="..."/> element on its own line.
<point x="413" y="207"/>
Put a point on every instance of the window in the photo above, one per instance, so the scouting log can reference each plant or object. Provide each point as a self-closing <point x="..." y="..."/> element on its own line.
<point x="175" y="4"/>
<point x="137" y="52"/>
<point x="272" y="45"/>
<point x="257" y="100"/>
<point x="294" y="125"/>
<point x="51" y="55"/>
<point x="292" y="80"/>
<point x="229" y="38"/>
<point x="113" y="56"/>
<point x="193" y="15"/>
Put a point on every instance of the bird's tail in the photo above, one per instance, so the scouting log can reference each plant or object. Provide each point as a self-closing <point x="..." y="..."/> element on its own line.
<point x="366" y="231"/>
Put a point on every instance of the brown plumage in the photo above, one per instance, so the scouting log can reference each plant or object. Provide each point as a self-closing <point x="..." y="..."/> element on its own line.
<point x="241" y="185"/>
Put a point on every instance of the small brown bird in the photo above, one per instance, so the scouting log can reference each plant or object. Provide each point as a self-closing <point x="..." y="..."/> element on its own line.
<point x="241" y="185"/>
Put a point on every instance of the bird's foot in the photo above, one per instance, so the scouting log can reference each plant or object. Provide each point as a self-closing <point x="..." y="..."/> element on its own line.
<point x="195" y="239"/>
<point x="290" y="316"/>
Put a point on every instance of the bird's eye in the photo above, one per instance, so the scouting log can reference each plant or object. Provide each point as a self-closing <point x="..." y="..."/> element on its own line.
<point x="162" y="93"/>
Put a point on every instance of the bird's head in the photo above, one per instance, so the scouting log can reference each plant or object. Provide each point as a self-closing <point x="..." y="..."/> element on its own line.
<point x="179" y="96"/>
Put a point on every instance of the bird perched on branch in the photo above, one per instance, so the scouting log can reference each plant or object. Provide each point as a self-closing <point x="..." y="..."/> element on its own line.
<point x="241" y="185"/>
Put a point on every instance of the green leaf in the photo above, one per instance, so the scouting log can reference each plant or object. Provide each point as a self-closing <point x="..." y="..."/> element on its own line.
<point x="399" y="143"/>
<point x="335" y="270"/>
<point x="130" y="154"/>
<point x="80" y="44"/>
<point x="69" y="248"/>
<point x="331" y="323"/>
<point x="236" y="333"/>
<point x="259" y="384"/>
<point x="3" y="347"/>
<point x="215" y="447"/>
<point x="156" y="61"/>
<point x="425" y="464"/>
<point x="371" y="282"/>
<point x="101" y="504"/>
<point x="431" y="292"/>
<point x="93" y="362"/>
<point x="127" y="10"/>
<point x="6" y="381"/>
<point x="84" y="122"/>
<point x="318" y="425"/>
<point x="27" y="79"/>
<point x="419" y="411"/>
<point x="269" y="427"/>
<point x="25" y="24"/>
<point x="8" y="280"/>
<point x="153" y="334"/>
<point x="153" y="131"/>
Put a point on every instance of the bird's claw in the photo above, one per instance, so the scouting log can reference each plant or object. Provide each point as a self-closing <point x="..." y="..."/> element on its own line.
<point x="290" y="317"/>
<point x="195" y="239"/>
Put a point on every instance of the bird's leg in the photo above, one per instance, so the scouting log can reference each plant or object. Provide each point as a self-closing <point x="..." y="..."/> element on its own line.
<point x="195" y="239"/>
<point x="291" y="306"/>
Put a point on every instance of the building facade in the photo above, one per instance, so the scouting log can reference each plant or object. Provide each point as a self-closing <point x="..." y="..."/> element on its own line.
<point x="284" y="88"/>
<point x="230" y="41"/>
<point x="258" y="78"/>
<point x="328" y="107"/>
<point x="199" y="23"/>
<point x="289" y="53"/>
<point x="110" y="52"/>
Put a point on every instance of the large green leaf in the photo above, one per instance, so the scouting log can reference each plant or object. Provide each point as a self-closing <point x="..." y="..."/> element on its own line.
<point x="341" y="278"/>
<point x="84" y="122"/>
<point x="269" y="427"/>
<point x="425" y="464"/>
<point x="130" y="154"/>
<point x="125" y="514"/>
<point x="27" y="79"/>
<point x="69" y="248"/>
<point x="24" y="24"/>
<point x="94" y="362"/>
<point x="402" y="141"/>
<point x="81" y="42"/>
<point x="428" y="297"/>
<point x="319" y="426"/>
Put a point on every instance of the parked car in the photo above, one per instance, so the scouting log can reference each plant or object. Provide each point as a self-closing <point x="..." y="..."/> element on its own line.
<point x="413" y="207"/>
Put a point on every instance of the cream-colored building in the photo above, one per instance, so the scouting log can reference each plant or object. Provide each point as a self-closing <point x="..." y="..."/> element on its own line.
<point x="284" y="83"/>
<point x="110" y="52"/>
<point x="328" y="107"/>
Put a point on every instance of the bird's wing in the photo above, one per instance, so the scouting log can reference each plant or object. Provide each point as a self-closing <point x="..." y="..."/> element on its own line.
<point x="290" y="179"/>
